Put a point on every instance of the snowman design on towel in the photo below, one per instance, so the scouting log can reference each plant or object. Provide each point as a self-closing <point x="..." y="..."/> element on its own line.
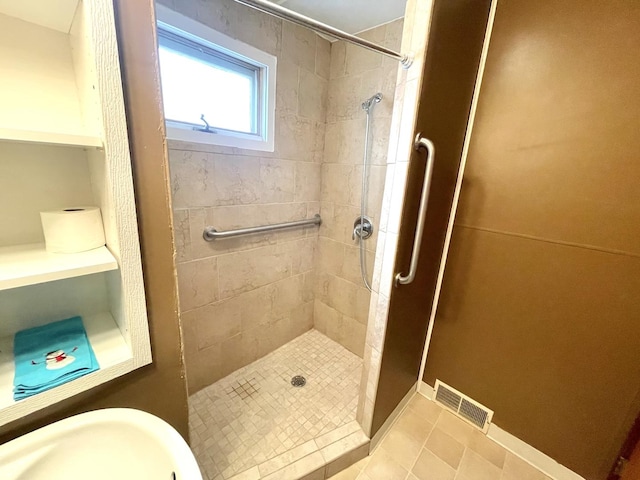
<point x="57" y="359"/>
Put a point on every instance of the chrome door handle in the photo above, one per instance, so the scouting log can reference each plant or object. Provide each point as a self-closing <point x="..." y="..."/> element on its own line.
<point x="421" y="143"/>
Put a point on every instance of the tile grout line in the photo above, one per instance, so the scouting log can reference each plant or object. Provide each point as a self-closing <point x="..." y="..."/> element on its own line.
<point x="424" y="444"/>
<point x="203" y="399"/>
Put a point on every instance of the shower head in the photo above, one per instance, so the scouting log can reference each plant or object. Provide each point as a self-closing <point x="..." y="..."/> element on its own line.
<point x="377" y="98"/>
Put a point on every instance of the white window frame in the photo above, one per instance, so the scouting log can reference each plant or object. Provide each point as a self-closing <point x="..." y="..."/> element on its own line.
<point x="183" y="26"/>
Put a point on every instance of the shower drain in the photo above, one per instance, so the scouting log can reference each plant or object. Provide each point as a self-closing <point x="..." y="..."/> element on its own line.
<point x="298" y="381"/>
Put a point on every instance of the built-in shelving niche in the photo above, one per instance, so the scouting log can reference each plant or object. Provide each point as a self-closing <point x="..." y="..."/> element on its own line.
<point x="63" y="142"/>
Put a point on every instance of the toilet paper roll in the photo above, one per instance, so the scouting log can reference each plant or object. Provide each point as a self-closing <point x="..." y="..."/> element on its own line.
<point x="72" y="230"/>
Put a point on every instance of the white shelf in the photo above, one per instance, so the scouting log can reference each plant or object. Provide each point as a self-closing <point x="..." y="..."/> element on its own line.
<point x="112" y="353"/>
<point x="63" y="141"/>
<point x="49" y="138"/>
<point x="31" y="264"/>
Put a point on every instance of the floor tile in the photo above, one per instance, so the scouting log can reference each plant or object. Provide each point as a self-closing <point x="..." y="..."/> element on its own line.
<point x="430" y="467"/>
<point x="251" y="474"/>
<point x="337" y="434"/>
<point x="363" y="476"/>
<point x="287" y="457"/>
<point x="487" y="448"/>
<point x="413" y="425"/>
<point x="256" y="425"/>
<point x="310" y="467"/>
<point x="455" y="427"/>
<point x="402" y="447"/>
<point x="474" y="467"/>
<point x="255" y="414"/>
<point x="345" y="445"/>
<point x="382" y="466"/>
<point x="430" y="452"/>
<point x="445" y="447"/>
<point x="425" y="408"/>
<point x="361" y="464"/>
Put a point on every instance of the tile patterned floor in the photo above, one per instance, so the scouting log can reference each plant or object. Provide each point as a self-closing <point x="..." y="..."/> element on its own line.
<point x="429" y="443"/>
<point x="255" y="414"/>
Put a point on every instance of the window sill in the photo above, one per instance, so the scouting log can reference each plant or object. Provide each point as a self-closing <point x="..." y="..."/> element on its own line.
<point x="193" y="136"/>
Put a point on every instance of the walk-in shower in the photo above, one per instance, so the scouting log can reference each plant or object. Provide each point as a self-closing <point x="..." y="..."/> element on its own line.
<point x="363" y="226"/>
<point x="274" y="301"/>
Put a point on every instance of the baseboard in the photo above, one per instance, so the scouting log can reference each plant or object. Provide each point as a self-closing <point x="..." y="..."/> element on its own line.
<point x="426" y="390"/>
<point x="377" y="438"/>
<point x="529" y="454"/>
<point x="519" y="448"/>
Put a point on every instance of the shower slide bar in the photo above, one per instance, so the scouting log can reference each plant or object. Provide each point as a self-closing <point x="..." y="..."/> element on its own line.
<point x="295" y="17"/>
<point x="210" y="234"/>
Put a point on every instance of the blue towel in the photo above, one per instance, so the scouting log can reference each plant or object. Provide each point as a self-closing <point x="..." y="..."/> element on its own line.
<point x="51" y="355"/>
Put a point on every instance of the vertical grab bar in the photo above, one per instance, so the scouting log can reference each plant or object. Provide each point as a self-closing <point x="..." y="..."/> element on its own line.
<point x="420" y="144"/>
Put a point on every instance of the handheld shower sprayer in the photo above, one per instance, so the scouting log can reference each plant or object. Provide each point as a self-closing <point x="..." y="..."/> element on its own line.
<point x="377" y="98"/>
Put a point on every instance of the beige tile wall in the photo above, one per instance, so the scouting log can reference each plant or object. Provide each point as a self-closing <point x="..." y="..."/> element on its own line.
<point x="242" y="298"/>
<point x="341" y="301"/>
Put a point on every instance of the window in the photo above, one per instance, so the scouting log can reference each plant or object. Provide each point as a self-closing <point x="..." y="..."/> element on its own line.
<point x="215" y="89"/>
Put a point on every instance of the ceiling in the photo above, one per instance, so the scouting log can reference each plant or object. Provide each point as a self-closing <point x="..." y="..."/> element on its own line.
<point x="352" y="16"/>
<point x="58" y="14"/>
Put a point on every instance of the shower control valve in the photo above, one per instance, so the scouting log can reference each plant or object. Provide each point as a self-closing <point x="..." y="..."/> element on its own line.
<point x="362" y="228"/>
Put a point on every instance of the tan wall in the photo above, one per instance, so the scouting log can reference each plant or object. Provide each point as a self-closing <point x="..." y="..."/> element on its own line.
<point x="242" y="298"/>
<point x="341" y="300"/>
<point x="540" y="306"/>
<point x="159" y="388"/>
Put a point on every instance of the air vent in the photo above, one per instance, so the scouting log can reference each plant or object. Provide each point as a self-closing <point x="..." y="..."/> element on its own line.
<point x="448" y="398"/>
<point x="464" y="407"/>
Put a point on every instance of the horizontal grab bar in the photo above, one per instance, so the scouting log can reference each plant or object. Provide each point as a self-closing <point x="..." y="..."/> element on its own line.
<point x="210" y="234"/>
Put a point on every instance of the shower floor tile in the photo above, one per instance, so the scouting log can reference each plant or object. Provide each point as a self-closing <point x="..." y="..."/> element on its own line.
<point x="255" y="414"/>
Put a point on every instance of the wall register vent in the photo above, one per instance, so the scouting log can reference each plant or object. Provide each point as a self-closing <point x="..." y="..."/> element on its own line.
<point x="464" y="407"/>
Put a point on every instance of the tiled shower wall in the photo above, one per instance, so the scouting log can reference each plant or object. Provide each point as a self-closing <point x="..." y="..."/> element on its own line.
<point x="242" y="298"/>
<point x="341" y="301"/>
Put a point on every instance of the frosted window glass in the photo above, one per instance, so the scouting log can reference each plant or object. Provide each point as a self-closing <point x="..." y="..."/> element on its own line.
<point x="192" y="87"/>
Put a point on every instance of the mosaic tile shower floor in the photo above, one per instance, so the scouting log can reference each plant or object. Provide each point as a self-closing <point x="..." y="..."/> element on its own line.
<point x="255" y="414"/>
